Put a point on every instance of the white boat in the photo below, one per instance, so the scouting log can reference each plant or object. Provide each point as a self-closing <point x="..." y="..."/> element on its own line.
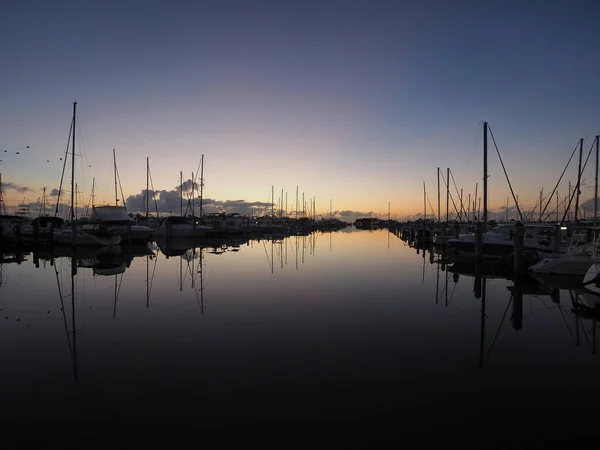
<point x="576" y="262"/>
<point x="180" y="226"/>
<point x="117" y="221"/>
<point x="500" y="239"/>
<point x="591" y="280"/>
<point x="41" y="229"/>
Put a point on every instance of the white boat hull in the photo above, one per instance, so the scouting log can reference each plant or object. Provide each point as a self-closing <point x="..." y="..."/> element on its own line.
<point x="563" y="265"/>
<point x="181" y="230"/>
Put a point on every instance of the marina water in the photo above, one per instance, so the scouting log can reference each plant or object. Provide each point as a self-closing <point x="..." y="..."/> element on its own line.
<point x="335" y="334"/>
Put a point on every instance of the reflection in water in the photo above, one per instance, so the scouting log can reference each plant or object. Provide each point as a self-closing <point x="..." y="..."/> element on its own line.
<point x="357" y="332"/>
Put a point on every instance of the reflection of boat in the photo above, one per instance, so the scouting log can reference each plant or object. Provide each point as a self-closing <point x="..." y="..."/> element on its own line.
<point x="113" y="263"/>
<point x="57" y="251"/>
<point x="559" y="281"/>
<point x="587" y="305"/>
<point x="178" y="246"/>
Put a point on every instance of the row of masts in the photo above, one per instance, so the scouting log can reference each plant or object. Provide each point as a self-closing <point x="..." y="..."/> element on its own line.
<point x="482" y="213"/>
<point x="311" y="209"/>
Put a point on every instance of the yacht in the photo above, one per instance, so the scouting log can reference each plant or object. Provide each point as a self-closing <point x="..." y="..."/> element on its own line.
<point x="180" y="226"/>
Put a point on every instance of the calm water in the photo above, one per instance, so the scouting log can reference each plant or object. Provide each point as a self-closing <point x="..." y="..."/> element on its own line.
<point x="350" y="333"/>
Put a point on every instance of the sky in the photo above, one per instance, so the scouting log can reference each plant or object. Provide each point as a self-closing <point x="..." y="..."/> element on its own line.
<point x="356" y="103"/>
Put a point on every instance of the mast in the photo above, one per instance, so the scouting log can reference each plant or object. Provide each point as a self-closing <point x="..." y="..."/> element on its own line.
<point x="485" y="176"/>
<point x="424" y="202"/>
<point x="115" y="170"/>
<point x="296" y="202"/>
<point x="438" y="181"/>
<point x="147" y="186"/>
<point x="578" y="187"/>
<point x="1" y="200"/>
<point x="330" y="208"/>
<point x="192" y="197"/>
<point x="44" y="201"/>
<point x="281" y="204"/>
<point x="73" y="178"/>
<point x="507" y="207"/>
<point x="390" y="211"/>
<point x="272" y="201"/>
<point x="447" y="194"/>
<point x="93" y="192"/>
<point x="596" y="182"/>
<point x="181" y="193"/>
<point x="201" y="182"/>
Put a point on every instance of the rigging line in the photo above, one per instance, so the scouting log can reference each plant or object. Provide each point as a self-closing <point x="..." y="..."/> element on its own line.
<point x="578" y="185"/>
<point x="462" y="207"/>
<point x="506" y="174"/>
<point x="431" y="207"/>
<point x="452" y="293"/>
<point x="152" y="278"/>
<point x="121" y="189"/>
<point x="63" y="170"/>
<point x="499" y="327"/>
<point x="449" y="193"/>
<point x="154" y="195"/>
<point x="267" y="253"/>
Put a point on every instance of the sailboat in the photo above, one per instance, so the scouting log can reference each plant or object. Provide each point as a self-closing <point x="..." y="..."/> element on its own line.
<point x="115" y="219"/>
<point x="181" y="226"/>
<point x="73" y="235"/>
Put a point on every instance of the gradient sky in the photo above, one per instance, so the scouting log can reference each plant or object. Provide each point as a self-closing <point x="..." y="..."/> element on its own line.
<point x="354" y="101"/>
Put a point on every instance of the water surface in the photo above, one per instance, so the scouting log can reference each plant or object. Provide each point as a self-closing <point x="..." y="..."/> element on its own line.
<point x="350" y="332"/>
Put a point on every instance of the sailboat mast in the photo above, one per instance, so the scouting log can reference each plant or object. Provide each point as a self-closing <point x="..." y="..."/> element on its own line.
<point x="73" y="175"/>
<point x="181" y="193"/>
<point x="93" y="192"/>
<point x="147" y="186"/>
<point x="193" y="200"/>
<point x="578" y="187"/>
<point x="596" y="182"/>
<point x="447" y="194"/>
<point x="272" y="201"/>
<point x="424" y="202"/>
<point x="296" y="202"/>
<point x="201" y="182"/>
<point x="485" y="175"/>
<point x="115" y="170"/>
<point x="439" y="198"/>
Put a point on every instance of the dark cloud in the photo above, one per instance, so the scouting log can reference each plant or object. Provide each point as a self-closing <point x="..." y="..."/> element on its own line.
<point x="15" y="187"/>
<point x="588" y="206"/>
<point x="187" y="185"/>
<point x="54" y="193"/>
<point x="170" y="202"/>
